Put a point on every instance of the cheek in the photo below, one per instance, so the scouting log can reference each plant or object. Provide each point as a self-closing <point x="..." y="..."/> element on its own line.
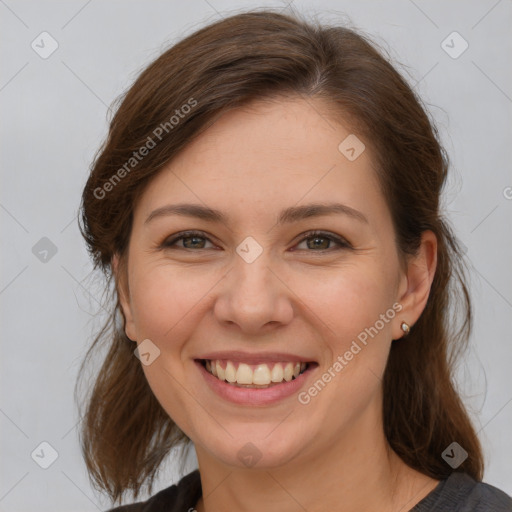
<point x="354" y="307"/>
<point x="166" y="300"/>
<point x="164" y="304"/>
<point x="155" y="302"/>
<point x="348" y="299"/>
<point x="355" y="341"/>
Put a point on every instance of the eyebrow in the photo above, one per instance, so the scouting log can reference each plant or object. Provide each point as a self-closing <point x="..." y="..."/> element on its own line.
<point x="288" y="215"/>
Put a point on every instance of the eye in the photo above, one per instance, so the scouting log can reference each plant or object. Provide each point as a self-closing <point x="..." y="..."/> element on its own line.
<point x="196" y="240"/>
<point x="191" y="240"/>
<point x="321" y="241"/>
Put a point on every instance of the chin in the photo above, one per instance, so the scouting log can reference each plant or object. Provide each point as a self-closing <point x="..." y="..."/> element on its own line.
<point x="253" y="448"/>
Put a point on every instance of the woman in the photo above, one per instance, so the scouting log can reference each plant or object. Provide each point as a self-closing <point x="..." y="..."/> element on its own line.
<point x="267" y="206"/>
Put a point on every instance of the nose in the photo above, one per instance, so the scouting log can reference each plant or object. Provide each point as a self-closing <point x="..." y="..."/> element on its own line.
<point x="254" y="297"/>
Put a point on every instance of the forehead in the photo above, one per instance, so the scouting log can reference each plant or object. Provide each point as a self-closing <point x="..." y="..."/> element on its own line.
<point x="271" y="152"/>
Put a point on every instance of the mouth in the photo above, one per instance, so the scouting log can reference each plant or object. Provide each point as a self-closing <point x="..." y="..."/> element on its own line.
<point x="255" y="376"/>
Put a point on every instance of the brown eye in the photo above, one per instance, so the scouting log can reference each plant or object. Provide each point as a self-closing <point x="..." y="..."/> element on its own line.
<point x="320" y="241"/>
<point x="191" y="240"/>
<point x="316" y="241"/>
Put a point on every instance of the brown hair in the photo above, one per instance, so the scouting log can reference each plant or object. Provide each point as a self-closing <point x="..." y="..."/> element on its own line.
<point x="125" y="433"/>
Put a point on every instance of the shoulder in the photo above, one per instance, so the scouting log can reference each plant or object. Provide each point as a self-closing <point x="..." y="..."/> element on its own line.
<point x="461" y="493"/>
<point x="179" y="497"/>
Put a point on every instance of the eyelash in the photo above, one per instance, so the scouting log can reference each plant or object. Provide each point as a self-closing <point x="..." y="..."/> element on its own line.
<point x="169" y="242"/>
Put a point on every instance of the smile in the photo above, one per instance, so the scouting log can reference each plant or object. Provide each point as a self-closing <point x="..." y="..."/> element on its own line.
<point x="261" y="375"/>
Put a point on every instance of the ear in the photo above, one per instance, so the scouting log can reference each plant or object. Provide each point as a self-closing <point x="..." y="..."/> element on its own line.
<point x="123" y="292"/>
<point x="415" y="284"/>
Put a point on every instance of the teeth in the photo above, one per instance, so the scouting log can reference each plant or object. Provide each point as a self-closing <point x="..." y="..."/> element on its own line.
<point x="221" y="373"/>
<point x="277" y="373"/>
<point x="244" y="374"/>
<point x="255" y="375"/>
<point x="261" y="375"/>
<point x="230" y="372"/>
<point x="288" y="372"/>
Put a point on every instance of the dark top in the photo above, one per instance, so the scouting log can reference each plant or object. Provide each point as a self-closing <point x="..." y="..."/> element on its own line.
<point x="458" y="493"/>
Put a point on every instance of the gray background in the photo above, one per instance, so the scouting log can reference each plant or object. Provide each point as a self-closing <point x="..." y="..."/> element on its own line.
<point x="53" y="114"/>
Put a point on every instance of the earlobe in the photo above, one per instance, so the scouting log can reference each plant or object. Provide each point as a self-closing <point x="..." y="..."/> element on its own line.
<point x="416" y="286"/>
<point x="121" y="280"/>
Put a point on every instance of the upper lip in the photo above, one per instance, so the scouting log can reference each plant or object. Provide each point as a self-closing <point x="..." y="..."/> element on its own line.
<point x="256" y="358"/>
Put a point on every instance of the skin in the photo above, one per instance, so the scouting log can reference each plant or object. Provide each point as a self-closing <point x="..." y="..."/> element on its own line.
<point x="330" y="454"/>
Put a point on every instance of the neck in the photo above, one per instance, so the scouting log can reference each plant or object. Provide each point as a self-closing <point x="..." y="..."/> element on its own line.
<point x="355" y="471"/>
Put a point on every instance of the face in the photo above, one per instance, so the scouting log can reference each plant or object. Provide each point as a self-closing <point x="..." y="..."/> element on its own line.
<point x="257" y="289"/>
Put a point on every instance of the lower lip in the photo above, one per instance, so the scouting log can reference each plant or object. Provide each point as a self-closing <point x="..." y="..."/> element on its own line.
<point x="255" y="396"/>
